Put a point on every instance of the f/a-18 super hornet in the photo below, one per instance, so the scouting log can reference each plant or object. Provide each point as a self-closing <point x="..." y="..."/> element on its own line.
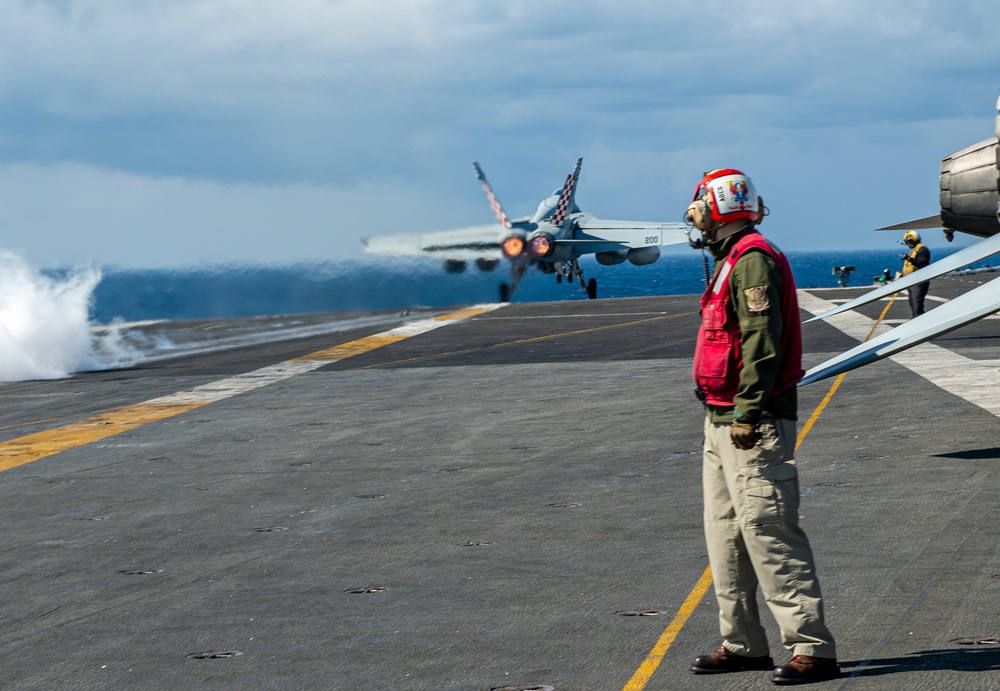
<point x="553" y="240"/>
<point x="970" y="203"/>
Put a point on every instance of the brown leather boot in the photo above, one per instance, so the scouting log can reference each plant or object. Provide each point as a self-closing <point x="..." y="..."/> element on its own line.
<point x="722" y="660"/>
<point x="803" y="669"/>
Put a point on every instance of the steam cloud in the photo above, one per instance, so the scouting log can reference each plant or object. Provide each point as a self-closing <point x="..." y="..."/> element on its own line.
<point x="44" y="323"/>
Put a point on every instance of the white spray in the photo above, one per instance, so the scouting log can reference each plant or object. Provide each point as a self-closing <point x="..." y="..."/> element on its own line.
<point x="44" y="323"/>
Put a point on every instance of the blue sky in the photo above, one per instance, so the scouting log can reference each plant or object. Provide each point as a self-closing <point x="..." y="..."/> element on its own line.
<point x="149" y="134"/>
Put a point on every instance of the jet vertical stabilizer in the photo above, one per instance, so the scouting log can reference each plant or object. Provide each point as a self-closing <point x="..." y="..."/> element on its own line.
<point x="567" y="204"/>
<point x="498" y="211"/>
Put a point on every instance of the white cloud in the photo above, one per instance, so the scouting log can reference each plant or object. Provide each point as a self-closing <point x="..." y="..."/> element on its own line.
<point x="310" y="100"/>
<point x="75" y="214"/>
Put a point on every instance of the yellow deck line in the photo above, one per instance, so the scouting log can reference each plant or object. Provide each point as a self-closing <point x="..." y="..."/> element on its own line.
<point x="522" y="341"/>
<point x="649" y="665"/>
<point x="363" y="345"/>
<point x="32" y="447"/>
<point x="346" y="350"/>
<point x="50" y="442"/>
<point x="652" y="661"/>
<point x="461" y="314"/>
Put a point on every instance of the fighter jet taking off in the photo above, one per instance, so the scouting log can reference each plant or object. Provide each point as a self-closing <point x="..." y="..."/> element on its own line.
<point x="970" y="203"/>
<point x="553" y="240"/>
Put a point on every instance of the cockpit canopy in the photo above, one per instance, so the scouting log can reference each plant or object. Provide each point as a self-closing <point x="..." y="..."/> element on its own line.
<point x="546" y="207"/>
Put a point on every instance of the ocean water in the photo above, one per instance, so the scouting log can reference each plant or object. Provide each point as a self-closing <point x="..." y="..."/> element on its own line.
<point x="233" y="291"/>
<point x="57" y="322"/>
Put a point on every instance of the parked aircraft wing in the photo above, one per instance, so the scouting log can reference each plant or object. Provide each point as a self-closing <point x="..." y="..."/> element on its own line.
<point x="918" y="224"/>
<point x="666" y="233"/>
<point x="965" y="309"/>
<point x="973" y="253"/>
<point x="464" y="244"/>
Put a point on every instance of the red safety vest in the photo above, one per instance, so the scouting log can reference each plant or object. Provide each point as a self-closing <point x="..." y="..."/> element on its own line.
<point x="718" y="354"/>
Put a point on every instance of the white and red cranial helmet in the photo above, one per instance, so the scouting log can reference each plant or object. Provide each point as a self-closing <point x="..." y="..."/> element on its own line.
<point x="729" y="194"/>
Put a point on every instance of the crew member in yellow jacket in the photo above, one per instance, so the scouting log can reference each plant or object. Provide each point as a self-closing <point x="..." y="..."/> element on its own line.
<point x="917" y="258"/>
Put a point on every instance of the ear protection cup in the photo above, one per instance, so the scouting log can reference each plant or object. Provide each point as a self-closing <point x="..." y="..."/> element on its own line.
<point x="699" y="214"/>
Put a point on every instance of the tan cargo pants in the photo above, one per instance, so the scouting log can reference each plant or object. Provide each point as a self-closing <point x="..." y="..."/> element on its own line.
<point x="754" y="538"/>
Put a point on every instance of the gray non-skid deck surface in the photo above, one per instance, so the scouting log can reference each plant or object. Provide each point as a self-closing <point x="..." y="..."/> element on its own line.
<point x="503" y="487"/>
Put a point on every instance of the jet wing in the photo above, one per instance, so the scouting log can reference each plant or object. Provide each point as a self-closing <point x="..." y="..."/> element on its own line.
<point x="969" y="255"/>
<point x="628" y="233"/>
<point x="965" y="309"/>
<point x="464" y="244"/>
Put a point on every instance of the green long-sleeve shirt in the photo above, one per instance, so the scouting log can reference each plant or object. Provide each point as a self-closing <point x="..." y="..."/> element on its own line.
<point x="755" y="287"/>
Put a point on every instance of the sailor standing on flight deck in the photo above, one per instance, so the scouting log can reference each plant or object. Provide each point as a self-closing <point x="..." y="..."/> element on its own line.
<point x="918" y="257"/>
<point x="748" y="360"/>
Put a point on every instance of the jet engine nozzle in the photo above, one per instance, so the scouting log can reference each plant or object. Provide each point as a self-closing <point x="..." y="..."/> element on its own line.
<point x="541" y="245"/>
<point x="512" y="246"/>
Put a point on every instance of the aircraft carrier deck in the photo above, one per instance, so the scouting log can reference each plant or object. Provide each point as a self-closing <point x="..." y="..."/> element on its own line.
<point x="502" y="498"/>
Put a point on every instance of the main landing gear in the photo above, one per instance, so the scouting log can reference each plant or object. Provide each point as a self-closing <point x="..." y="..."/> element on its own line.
<point x="569" y="270"/>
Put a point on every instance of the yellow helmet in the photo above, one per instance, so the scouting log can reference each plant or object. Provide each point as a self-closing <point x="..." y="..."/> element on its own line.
<point x="911" y="236"/>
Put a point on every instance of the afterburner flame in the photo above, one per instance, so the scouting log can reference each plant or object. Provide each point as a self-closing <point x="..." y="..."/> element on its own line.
<point x="541" y="245"/>
<point x="513" y="246"/>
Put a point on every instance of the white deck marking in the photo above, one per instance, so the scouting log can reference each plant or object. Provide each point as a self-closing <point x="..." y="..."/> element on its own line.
<point x="32" y="447"/>
<point x="976" y="381"/>
<point x="248" y="381"/>
<point x="225" y="388"/>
